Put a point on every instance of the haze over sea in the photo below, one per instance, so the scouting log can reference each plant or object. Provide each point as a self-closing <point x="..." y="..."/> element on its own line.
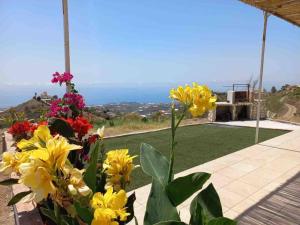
<point x="95" y="94"/>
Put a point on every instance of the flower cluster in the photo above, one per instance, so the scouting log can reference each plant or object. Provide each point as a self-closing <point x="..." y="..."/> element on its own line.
<point x="20" y="130"/>
<point x="43" y="166"/>
<point x="109" y="207"/>
<point x="39" y="162"/>
<point x="24" y="129"/>
<point x="61" y="78"/>
<point x="80" y="125"/>
<point x="74" y="99"/>
<point x="118" y="167"/>
<point x="198" y="99"/>
<point x="71" y="104"/>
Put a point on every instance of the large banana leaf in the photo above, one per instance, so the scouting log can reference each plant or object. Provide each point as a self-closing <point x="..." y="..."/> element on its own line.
<point x="205" y="206"/>
<point x="154" y="164"/>
<point x="182" y="188"/>
<point x="159" y="207"/>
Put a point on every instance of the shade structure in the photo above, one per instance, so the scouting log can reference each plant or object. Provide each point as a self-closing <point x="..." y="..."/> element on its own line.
<point x="288" y="10"/>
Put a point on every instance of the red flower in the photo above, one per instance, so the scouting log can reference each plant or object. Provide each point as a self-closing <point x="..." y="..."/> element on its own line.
<point x="80" y="125"/>
<point x="92" y="139"/>
<point x="20" y="130"/>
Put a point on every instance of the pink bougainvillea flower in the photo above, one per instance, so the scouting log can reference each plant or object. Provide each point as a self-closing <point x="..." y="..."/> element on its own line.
<point x="74" y="99"/>
<point x="61" y="78"/>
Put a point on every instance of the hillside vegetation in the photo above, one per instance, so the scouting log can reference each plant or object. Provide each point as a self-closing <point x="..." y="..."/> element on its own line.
<point x="284" y="104"/>
<point x="31" y="109"/>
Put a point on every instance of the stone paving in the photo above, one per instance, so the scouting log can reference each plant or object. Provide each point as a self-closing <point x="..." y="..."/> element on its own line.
<point x="271" y="124"/>
<point x="243" y="178"/>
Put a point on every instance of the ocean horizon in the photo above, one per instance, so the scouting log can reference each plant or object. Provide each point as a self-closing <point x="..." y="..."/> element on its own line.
<point x="97" y="94"/>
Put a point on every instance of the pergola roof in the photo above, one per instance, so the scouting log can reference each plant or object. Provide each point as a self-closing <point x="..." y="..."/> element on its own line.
<point x="288" y="10"/>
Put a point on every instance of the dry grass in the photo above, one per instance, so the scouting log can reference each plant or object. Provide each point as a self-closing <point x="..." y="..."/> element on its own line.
<point x="136" y="126"/>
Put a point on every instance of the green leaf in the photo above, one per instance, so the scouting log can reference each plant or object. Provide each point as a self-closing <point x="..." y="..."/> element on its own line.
<point x="61" y="127"/>
<point x="171" y="223"/>
<point x="9" y="181"/>
<point x="182" y="188"/>
<point x="48" y="213"/>
<point x="205" y="206"/>
<point x="136" y="221"/>
<point x="84" y="213"/>
<point x="222" y="221"/>
<point x="89" y="176"/>
<point x="159" y="207"/>
<point x="18" y="197"/>
<point x="154" y="164"/>
<point x="129" y="207"/>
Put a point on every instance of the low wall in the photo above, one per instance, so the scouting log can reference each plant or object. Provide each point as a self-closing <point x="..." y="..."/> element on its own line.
<point x="25" y="213"/>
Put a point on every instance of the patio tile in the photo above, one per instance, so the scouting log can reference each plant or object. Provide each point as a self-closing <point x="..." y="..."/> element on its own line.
<point x="243" y="205"/>
<point x="228" y="198"/>
<point x="184" y="214"/>
<point x="231" y="214"/>
<point x="259" y="195"/>
<point x="231" y="173"/>
<point x="139" y="213"/>
<point x="260" y="177"/>
<point x="231" y="158"/>
<point x="219" y="181"/>
<point x="246" y="165"/>
<point x="241" y="188"/>
<point x="142" y="194"/>
<point x="213" y="166"/>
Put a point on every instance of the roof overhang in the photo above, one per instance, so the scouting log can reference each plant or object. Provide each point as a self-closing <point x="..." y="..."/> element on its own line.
<point x="288" y="10"/>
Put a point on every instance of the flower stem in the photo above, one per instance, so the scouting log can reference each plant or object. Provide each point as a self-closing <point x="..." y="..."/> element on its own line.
<point x="173" y="142"/>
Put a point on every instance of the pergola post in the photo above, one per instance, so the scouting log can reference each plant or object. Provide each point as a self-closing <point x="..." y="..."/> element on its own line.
<point x="66" y="40"/>
<point x="266" y="15"/>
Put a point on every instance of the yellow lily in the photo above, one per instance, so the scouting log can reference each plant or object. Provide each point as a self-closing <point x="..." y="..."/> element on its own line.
<point x="40" y="136"/>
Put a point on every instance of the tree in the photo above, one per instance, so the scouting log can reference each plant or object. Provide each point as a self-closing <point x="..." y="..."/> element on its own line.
<point x="273" y="90"/>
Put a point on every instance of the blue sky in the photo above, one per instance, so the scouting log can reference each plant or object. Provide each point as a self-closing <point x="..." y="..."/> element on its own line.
<point x="140" y="42"/>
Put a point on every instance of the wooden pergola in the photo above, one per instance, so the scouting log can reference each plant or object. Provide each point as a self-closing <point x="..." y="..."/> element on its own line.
<point x="288" y="10"/>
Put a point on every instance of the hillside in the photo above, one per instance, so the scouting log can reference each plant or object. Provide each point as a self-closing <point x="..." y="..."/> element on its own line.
<point x="31" y="109"/>
<point x="285" y="104"/>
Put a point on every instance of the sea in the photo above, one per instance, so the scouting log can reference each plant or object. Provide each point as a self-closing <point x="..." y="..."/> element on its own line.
<point x="97" y="94"/>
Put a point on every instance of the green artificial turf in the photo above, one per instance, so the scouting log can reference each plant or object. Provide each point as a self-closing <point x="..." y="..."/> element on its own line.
<point x="196" y="145"/>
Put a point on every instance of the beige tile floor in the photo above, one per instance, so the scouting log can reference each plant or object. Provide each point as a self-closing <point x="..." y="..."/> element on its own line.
<point x="243" y="178"/>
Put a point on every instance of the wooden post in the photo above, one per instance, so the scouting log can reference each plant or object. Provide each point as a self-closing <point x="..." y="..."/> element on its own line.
<point x="4" y="146"/>
<point x="66" y="40"/>
<point x="266" y="15"/>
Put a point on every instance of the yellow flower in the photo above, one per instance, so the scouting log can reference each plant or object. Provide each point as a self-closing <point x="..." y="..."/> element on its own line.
<point x="38" y="176"/>
<point x="76" y="184"/>
<point x="118" y="167"/>
<point x="40" y="136"/>
<point x="40" y="173"/>
<point x="109" y="207"/>
<point x="182" y="95"/>
<point x="11" y="161"/>
<point x="58" y="150"/>
<point x="198" y="98"/>
<point x="100" y="132"/>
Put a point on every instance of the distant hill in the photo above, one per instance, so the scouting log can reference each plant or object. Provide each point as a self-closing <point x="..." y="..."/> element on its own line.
<point x="285" y="103"/>
<point x="31" y="109"/>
